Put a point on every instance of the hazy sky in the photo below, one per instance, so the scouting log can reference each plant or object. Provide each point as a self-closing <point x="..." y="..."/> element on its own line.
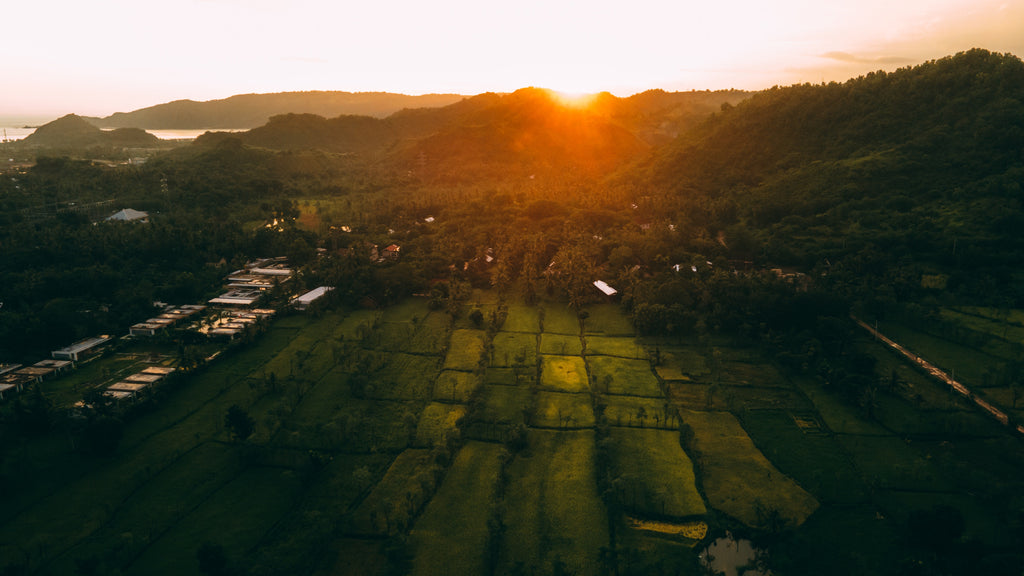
<point x="97" y="57"/>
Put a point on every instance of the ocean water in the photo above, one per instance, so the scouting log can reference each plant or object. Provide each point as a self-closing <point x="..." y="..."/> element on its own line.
<point x="19" y="132"/>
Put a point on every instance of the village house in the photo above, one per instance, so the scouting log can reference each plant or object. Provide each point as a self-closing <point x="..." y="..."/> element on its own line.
<point x="392" y="252"/>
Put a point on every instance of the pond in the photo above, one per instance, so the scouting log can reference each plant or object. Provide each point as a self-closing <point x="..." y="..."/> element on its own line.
<point x="732" y="557"/>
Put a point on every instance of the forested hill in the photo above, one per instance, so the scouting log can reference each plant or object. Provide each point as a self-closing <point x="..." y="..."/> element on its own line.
<point x="924" y="164"/>
<point x="73" y="131"/>
<point x="251" y="110"/>
<point x="530" y="130"/>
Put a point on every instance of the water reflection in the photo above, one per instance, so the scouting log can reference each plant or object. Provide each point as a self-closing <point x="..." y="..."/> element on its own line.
<point x="732" y="557"/>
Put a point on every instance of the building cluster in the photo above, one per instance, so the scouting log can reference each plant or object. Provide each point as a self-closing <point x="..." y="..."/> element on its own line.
<point x="132" y="386"/>
<point x="170" y="317"/>
<point x="247" y="286"/>
<point x="14" y="377"/>
<point x="234" y="314"/>
<point x="230" y="323"/>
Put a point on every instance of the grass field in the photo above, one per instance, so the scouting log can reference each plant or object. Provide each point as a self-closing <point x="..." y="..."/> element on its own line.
<point x="621" y="376"/>
<point x="324" y="465"/>
<point x="561" y="344"/>
<point x="451" y="535"/>
<point x="607" y="319"/>
<point x="615" y="346"/>
<point x="406" y="486"/>
<point x="560" y="319"/>
<point x="233" y="522"/>
<point x="656" y="476"/>
<point x="514" y="349"/>
<point x="738" y="479"/>
<point x="681" y="363"/>
<point x="505" y="403"/>
<point x="455" y="386"/>
<point x="522" y="318"/>
<point x="639" y="412"/>
<point x="464" y="350"/>
<point x="406" y="377"/>
<point x="561" y="410"/>
<point x="436" y="422"/>
<point x="563" y="374"/>
<point x="554" y="511"/>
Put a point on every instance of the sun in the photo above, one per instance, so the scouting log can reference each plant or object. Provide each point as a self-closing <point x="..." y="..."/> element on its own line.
<point x="572" y="99"/>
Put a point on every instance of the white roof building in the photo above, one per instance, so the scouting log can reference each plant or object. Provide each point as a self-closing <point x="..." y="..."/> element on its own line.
<point x="129" y="215"/>
<point x="603" y="287"/>
<point x="303" y="302"/>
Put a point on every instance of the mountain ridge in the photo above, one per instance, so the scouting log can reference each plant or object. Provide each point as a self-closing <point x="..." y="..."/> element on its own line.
<point x="244" y="111"/>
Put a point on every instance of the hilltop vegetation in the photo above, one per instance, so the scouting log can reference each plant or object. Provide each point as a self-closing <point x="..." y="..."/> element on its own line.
<point x="252" y="110"/>
<point x="73" y="132"/>
<point x="890" y="176"/>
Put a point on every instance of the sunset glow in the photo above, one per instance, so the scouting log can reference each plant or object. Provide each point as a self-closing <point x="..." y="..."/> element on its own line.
<point x="575" y="99"/>
<point x="117" y="55"/>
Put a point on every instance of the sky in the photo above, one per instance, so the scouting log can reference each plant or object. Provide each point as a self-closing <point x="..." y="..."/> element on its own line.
<point x="103" y="56"/>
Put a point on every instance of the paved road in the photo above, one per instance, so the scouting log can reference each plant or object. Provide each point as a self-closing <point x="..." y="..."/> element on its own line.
<point x="941" y="376"/>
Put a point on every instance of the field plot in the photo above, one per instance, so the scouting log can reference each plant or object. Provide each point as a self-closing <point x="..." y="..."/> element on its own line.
<point x="561" y="344"/>
<point x="737" y="478"/>
<point x="372" y="561"/>
<point x="437" y="421"/>
<point x="680" y="363"/>
<point x="817" y="461"/>
<point x="698" y="396"/>
<point x="360" y="425"/>
<point x="968" y="364"/>
<point x="431" y="335"/>
<point x="405" y="377"/>
<point x="464" y="350"/>
<point x="741" y="373"/>
<point x="161" y="503"/>
<point x="356" y="325"/>
<point x="613" y="375"/>
<point x="615" y="346"/>
<point x="228" y="518"/>
<point x="557" y="513"/>
<point x="506" y="404"/>
<point x="560" y="319"/>
<point x="514" y="349"/>
<point x="451" y="535"/>
<point x="406" y="310"/>
<point x="891" y="462"/>
<point x="607" y="319"/>
<point x="308" y="356"/>
<point x="840" y="417"/>
<point x="325" y="399"/>
<point x="635" y="411"/>
<point x="522" y="318"/>
<point x="518" y="376"/>
<point x="287" y="549"/>
<point x="560" y="410"/>
<point x="563" y="374"/>
<point x="1004" y="337"/>
<point x="455" y="386"/>
<point x="978" y="521"/>
<point x="657" y="477"/>
<point x="405" y="487"/>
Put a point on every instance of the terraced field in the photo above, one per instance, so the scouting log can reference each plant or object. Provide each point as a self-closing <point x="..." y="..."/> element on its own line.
<point x="423" y="444"/>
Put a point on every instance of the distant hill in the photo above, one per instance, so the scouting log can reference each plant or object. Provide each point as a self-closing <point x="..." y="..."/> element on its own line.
<point x="527" y="131"/>
<point x="252" y="110"/>
<point x="73" y="131"/>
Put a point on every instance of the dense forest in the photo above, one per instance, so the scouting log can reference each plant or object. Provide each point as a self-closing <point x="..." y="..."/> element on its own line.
<point x="761" y="218"/>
